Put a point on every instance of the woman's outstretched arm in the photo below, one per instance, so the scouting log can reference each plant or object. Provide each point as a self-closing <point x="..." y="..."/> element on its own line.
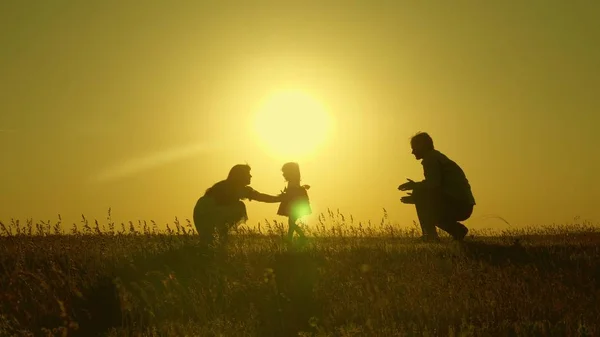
<point x="266" y="197"/>
<point x="253" y="194"/>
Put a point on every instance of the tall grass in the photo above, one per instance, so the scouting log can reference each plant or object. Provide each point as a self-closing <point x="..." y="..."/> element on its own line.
<point x="350" y="279"/>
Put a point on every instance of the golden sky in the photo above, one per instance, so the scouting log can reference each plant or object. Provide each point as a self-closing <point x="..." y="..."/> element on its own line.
<point x="142" y="107"/>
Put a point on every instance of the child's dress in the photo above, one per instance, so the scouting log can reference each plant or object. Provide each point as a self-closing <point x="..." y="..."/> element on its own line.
<point x="295" y="203"/>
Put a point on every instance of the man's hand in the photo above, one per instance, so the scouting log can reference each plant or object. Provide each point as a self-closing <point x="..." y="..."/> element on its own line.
<point x="408" y="199"/>
<point x="407" y="186"/>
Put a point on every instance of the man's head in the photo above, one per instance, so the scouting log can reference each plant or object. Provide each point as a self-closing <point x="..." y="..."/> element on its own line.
<point x="421" y="144"/>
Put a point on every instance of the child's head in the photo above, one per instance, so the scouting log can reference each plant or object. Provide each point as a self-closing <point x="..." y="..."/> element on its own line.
<point x="291" y="172"/>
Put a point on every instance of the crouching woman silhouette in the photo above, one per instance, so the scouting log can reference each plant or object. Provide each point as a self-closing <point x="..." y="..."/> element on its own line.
<point x="221" y="207"/>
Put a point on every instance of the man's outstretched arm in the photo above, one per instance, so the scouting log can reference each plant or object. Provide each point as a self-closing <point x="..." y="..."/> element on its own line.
<point x="407" y="186"/>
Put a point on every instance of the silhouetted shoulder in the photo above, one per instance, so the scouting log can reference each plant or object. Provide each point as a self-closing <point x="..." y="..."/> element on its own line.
<point x="292" y="193"/>
<point x="248" y="193"/>
<point x="224" y="192"/>
<point x="451" y="176"/>
<point x="217" y="189"/>
<point x="432" y="157"/>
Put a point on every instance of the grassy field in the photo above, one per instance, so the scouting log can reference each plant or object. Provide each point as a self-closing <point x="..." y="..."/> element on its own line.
<point x="349" y="280"/>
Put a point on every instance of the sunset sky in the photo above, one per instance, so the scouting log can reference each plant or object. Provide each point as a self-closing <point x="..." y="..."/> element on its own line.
<point x="142" y="107"/>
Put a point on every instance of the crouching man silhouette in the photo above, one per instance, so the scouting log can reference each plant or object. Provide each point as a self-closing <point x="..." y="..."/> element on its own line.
<point x="444" y="198"/>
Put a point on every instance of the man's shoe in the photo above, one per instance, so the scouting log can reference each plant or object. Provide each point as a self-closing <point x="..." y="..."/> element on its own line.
<point x="461" y="233"/>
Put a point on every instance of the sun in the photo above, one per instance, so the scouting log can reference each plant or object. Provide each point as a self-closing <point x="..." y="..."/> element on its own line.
<point x="292" y="124"/>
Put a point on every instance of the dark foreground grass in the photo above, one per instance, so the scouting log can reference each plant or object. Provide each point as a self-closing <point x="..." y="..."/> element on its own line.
<point x="346" y="281"/>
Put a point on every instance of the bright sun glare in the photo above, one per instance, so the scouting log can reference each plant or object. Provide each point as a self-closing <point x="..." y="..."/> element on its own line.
<point x="291" y="124"/>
